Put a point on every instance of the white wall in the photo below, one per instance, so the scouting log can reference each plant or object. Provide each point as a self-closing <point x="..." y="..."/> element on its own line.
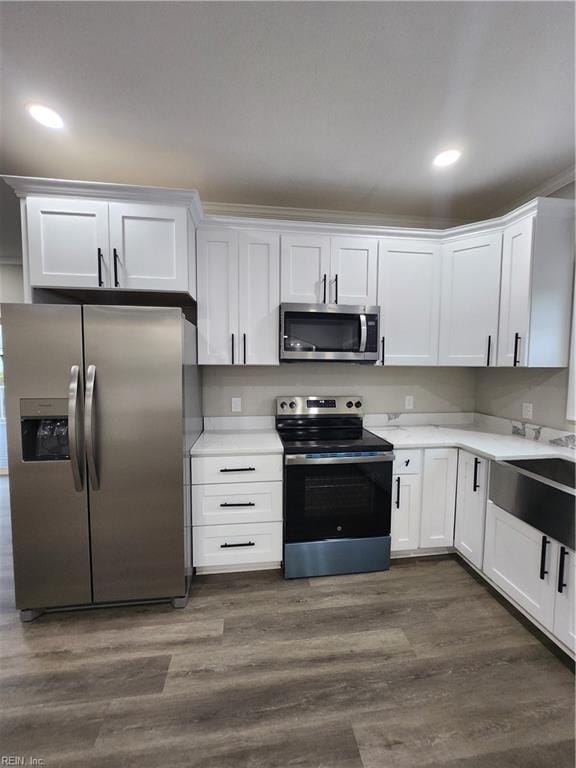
<point x="382" y="389"/>
<point x="11" y="283"/>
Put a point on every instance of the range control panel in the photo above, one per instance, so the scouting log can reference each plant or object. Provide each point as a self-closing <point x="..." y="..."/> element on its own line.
<point x="311" y="405"/>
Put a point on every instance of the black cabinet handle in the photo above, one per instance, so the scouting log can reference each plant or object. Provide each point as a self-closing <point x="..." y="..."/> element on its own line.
<point x="232" y="349"/>
<point x="475" y="484"/>
<point x="243" y="544"/>
<point x="543" y="570"/>
<point x="324" y="281"/>
<point x="239" y="504"/>
<point x="563" y="556"/>
<point x="336" y="289"/>
<point x="100" y="280"/>
<point x="244" y="344"/>
<point x="116" y="281"/>
<point x="488" y="353"/>
<point x="397" y="493"/>
<point x="238" y="469"/>
<point x="383" y="348"/>
<point x="517" y="338"/>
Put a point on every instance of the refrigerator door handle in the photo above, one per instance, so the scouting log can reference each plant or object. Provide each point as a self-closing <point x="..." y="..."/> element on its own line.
<point x="73" y="424"/>
<point x="89" y="427"/>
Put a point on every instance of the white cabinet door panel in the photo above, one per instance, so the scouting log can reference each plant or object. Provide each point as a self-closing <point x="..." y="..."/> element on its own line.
<point x="230" y="545"/>
<point x="471" y="494"/>
<point x="305" y="268"/>
<point x="150" y="246"/>
<point x="409" y="298"/>
<point x="353" y="270"/>
<point x="65" y="237"/>
<point x="259" y="297"/>
<point x="232" y="503"/>
<point x="217" y="261"/>
<point x="515" y="293"/>
<point x="470" y="299"/>
<point x="405" y="529"/>
<point x="565" y="601"/>
<point x="512" y="559"/>
<point x="438" y="497"/>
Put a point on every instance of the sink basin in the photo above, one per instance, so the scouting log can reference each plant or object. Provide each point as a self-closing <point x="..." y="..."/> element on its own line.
<point x="559" y="471"/>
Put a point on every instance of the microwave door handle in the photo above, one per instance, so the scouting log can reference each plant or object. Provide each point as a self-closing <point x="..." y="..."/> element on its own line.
<point x="363" y="333"/>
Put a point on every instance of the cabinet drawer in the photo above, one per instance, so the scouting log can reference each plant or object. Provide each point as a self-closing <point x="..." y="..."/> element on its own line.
<point x="236" y="469"/>
<point x="220" y="545"/>
<point x="408" y="462"/>
<point x="237" y="503"/>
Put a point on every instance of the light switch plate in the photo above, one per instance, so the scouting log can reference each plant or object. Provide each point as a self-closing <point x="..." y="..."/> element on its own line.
<point x="236" y="405"/>
<point x="527" y="411"/>
<point x="409" y="402"/>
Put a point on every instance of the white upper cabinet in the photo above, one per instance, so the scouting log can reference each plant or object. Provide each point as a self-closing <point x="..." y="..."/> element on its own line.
<point x="218" y="297"/>
<point x="238" y="297"/>
<point x="305" y="268"/>
<point x="535" y="296"/>
<point x="438" y="497"/>
<point x="471" y="498"/>
<point x="469" y="300"/>
<point x="259" y="297"/>
<point x="149" y="247"/>
<point x="409" y="298"/>
<point x="68" y="243"/>
<point x="353" y="271"/>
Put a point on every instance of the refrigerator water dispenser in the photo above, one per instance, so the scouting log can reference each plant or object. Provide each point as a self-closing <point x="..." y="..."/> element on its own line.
<point x="44" y="426"/>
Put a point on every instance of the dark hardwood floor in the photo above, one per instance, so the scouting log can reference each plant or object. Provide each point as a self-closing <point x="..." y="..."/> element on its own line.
<point x="419" y="666"/>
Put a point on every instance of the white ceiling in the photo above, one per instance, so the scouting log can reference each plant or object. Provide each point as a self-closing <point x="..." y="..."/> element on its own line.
<point x="322" y="105"/>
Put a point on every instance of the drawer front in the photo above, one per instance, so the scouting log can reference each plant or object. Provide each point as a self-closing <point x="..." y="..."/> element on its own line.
<point x="237" y="503"/>
<point x="219" y="545"/>
<point x="236" y="469"/>
<point x="407" y="462"/>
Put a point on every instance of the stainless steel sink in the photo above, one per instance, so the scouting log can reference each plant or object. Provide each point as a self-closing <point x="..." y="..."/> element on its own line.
<point x="539" y="491"/>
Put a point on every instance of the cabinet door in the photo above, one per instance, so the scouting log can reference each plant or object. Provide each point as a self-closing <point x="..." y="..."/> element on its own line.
<point x="217" y="261"/>
<point x="438" y="497"/>
<point x="353" y="270"/>
<point x="471" y="506"/>
<point x="565" y="600"/>
<point x="149" y="247"/>
<point x="515" y="293"/>
<point x="67" y="239"/>
<point x="470" y="298"/>
<point x="405" y="529"/>
<point x="513" y="555"/>
<point x="305" y="268"/>
<point x="259" y="298"/>
<point x="409" y="297"/>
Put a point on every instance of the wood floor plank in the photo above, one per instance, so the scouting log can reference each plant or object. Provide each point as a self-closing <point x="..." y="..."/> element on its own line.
<point x="559" y="755"/>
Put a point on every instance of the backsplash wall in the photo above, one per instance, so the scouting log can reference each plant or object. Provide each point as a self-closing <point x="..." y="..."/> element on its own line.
<point x="382" y="389"/>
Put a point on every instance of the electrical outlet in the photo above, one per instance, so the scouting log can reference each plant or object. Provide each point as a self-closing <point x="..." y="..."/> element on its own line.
<point x="236" y="405"/>
<point x="527" y="411"/>
<point x="409" y="402"/>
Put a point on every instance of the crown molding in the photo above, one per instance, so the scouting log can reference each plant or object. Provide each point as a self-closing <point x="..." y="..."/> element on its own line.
<point x="543" y="190"/>
<point x="25" y="186"/>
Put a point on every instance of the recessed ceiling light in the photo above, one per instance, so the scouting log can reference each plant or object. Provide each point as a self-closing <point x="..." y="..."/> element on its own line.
<point x="45" y="116"/>
<point x="448" y="157"/>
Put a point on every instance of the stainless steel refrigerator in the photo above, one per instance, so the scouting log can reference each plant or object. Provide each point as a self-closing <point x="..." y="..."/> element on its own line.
<point x="102" y="404"/>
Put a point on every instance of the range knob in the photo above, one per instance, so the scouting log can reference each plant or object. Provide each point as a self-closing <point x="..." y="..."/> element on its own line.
<point x="358" y="404"/>
<point x="349" y="404"/>
<point x="292" y="404"/>
<point x="283" y="404"/>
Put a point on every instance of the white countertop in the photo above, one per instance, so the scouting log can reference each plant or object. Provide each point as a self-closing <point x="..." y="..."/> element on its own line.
<point x="487" y="444"/>
<point x="237" y="443"/>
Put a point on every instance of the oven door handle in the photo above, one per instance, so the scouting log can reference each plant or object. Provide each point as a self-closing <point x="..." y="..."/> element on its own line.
<point x="302" y="458"/>
<point x="363" y="333"/>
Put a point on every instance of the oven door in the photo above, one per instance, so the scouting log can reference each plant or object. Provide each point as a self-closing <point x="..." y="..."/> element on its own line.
<point x="337" y="496"/>
<point x="328" y="332"/>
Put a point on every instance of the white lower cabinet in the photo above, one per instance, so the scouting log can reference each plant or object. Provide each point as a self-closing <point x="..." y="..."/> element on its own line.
<point x="438" y="497"/>
<point x="565" y="598"/>
<point x="233" y="503"/>
<point x="522" y="561"/>
<point x="471" y="494"/>
<point x="237" y="545"/>
<point x="406" y="501"/>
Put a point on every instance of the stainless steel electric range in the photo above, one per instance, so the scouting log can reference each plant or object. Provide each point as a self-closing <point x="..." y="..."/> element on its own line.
<point x="337" y="488"/>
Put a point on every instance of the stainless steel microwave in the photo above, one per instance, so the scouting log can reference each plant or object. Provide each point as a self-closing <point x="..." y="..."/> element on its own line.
<point x="329" y="332"/>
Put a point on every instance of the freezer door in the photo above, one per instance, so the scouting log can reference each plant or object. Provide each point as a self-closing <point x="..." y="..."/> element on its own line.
<point x="44" y="381"/>
<point x="133" y="425"/>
